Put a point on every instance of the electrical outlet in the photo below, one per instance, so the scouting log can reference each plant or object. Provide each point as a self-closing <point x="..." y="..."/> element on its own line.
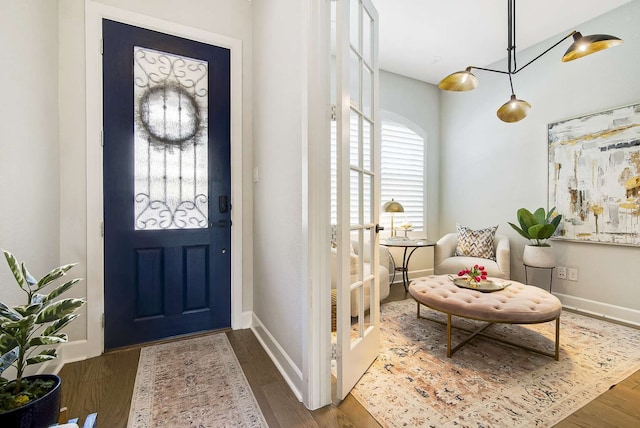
<point x="573" y="274"/>
<point x="562" y="272"/>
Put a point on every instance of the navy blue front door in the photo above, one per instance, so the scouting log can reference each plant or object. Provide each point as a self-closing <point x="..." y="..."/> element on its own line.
<point x="167" y="228"/>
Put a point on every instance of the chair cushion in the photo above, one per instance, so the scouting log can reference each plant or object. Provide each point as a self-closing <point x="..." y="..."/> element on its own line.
<point x="476" y="243"/>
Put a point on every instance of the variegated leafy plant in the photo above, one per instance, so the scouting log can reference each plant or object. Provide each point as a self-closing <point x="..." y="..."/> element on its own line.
<point x="30" y="332"/>
<point x="538" y="226"/>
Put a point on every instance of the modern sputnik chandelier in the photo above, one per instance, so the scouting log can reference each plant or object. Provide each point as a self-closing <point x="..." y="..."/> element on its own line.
<point x="515" y="109"/>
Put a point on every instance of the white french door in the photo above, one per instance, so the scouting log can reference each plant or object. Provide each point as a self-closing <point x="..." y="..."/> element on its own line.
<point x="358" y="190"/>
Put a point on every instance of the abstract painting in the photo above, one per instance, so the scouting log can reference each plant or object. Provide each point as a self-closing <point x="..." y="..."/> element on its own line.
<point x="594" y="176"/>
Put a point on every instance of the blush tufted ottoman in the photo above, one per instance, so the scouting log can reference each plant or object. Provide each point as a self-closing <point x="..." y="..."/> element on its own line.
<point x="516" y="304"/>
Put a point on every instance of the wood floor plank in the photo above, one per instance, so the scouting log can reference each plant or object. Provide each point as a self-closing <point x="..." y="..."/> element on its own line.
<point x="253" y="359"/>
<point x="624" y="399"/>
<point x="103" y="384"/>
<point x="356" y="413"/>
<point x="289" y="412"/>
<point x="600" y="415"/>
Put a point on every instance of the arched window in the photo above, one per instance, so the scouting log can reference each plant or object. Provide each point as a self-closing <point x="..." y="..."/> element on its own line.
<point x="402" y="175"/>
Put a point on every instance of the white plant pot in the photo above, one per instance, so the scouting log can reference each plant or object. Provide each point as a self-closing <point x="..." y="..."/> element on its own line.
<point x="543" y="257"/>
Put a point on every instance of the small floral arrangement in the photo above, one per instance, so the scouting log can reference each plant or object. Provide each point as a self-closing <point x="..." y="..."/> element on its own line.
<point x="476" y="273"/>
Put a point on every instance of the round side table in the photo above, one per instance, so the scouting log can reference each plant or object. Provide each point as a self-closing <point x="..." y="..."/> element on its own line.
<point x="410" y="246"/>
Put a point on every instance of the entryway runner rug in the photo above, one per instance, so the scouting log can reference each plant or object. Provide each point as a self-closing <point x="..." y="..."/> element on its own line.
<point x="193" y="383"/>
<point x="485" y="383"/>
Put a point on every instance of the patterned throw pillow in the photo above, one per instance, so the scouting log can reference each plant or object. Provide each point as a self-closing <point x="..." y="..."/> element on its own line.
<point x="476" y="243"/>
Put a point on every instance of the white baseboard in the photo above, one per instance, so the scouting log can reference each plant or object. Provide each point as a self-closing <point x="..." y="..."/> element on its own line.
<point x="599" y="309"/>
<point x="67" y="353"/>
<point x="412" y="275"/>
<point x="245" y="319"/>
<point x="285" y="365"/>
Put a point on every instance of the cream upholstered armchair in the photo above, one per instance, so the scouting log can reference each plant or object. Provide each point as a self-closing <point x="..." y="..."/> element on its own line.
<point x="445" y="260"/>
<point x="383" y="272"/>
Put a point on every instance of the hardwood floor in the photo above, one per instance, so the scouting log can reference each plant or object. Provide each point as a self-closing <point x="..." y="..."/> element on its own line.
<point x="105" y="384"/>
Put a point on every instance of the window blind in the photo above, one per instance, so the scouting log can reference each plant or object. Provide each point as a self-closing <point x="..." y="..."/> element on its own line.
<point x="402" y="174"/>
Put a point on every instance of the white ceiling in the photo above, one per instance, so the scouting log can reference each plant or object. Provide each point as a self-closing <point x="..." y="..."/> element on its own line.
<point x="429" y="39"/>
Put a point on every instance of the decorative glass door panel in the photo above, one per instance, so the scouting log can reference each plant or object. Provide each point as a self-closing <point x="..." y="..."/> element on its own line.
<point x="171" y="135"/>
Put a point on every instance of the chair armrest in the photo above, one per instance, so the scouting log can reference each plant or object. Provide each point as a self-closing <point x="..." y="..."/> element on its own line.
<point x="503" y="254"/>
<point x="445" y="248"/>
<point x="354" y="266"/>
<point x="384" y="257"/>
<point x="383" y="253"/>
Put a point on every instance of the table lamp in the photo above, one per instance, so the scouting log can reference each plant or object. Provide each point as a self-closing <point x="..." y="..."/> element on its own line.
<point x="392" y="207"/>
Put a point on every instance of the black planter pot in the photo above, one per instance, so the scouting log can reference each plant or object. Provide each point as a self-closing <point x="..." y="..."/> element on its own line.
<point x="40" y="413"/>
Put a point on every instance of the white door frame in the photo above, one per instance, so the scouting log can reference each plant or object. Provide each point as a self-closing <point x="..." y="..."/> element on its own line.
<point x="94" y="13"/>
<point x="316" y="205"/>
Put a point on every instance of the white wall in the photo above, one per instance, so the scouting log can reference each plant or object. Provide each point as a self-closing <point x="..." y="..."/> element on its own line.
<point x="279" y="94"/>
<point x="489" y="169"/>
<point x="29" y="168"/>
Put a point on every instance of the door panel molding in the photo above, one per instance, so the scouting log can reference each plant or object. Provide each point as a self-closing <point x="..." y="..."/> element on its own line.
<point x="94" y="13"/>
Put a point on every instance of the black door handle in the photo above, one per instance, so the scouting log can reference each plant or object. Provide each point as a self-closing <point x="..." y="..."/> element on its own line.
<point x="379" y="228"/>
<point x="221" y="223"/>
<point x="223" y="204"/>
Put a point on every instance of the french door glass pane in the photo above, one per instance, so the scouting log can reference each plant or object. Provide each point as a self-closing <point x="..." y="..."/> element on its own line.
<point x="367" y="149"/>
<point x="367" y="85"/>
<point x="355" y="185"/>
<point x="354" y="142"/>
<point x="170" y="141"/>
<point x="354" y="76"/>
<point x="368" y="195"/>
<point x="355" y="24"/>
<point x="367" y="37"/>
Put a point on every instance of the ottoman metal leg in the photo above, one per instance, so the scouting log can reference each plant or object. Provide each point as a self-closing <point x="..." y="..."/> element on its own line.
<point x="557" y="356"/>
<point x="479" y="332"/>
<point x="449" y="336"/>
<point x="473" y="334"/>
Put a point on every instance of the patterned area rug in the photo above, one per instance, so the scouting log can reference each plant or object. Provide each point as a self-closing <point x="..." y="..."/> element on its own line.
<point x="485" y="383"/>
<point x="193" y="383"/>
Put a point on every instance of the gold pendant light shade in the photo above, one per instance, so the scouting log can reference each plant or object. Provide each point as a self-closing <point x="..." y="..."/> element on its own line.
<point x="586" y="45"/>
<point x="459" y="81"/>
<point x="513" y="110"/>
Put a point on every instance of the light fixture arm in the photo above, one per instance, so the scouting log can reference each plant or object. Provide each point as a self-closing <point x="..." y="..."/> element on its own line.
<point x="511" y="41"/>
<point x="471" y="67"/>
<point x="511" y="36"/>
<point x="547" y="50"/>
<point x="511" y="84"/>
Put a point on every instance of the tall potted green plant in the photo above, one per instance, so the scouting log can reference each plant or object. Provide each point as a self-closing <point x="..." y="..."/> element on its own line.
<point x="28" y="335"/>
<point x="537" y="227"/>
